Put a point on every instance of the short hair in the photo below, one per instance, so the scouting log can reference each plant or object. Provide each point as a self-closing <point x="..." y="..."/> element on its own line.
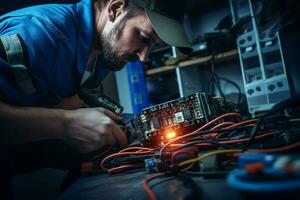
<point x="101" y="3"/>
<point x="132" y="9"/>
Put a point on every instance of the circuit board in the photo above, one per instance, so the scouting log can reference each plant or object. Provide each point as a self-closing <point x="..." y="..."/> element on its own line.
<point x="163" y="122"/>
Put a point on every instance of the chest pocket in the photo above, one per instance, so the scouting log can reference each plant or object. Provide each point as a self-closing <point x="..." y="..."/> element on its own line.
<point x="15" y="54"/>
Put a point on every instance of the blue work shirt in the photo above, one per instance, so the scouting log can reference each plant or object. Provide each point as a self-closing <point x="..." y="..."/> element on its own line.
<point x="58" y="40"/>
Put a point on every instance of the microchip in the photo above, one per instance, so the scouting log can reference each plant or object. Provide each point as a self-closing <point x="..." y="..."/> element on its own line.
<point x="155" y="122"/>
<point x="187" y="114"/>
<point x="179" y="117"/>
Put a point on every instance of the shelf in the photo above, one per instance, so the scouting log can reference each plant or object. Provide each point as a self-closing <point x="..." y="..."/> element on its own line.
<point x="160" y="70"/>
<point x="194" y="61"/>
<point x="159" y="49"/>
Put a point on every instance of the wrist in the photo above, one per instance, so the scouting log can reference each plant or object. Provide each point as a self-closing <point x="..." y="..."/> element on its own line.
<point x="67" y="118"/>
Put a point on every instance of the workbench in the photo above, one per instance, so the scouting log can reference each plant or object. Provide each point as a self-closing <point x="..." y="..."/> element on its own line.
<point x="130" y="186"/>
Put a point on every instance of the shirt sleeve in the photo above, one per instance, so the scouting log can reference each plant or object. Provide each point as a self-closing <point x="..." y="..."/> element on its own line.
<point x="40" y="42"/>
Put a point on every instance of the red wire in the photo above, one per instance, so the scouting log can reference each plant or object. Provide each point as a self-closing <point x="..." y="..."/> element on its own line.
<point x="122" y="154"/>
<point x="227" y="141"/>
<point x="230" y="125"/>
<point x="236" y="115"/>
<point x="274" y="150"/>
<point x="222" y="125"/>
<point x="152" y="196"/>
<point x="103" y="153"/>
<point x="250" y="121"/>
<point x="136" y="148"/>
<point x="148" y="189"/>
<point x="124" y="167"/>
<point x="238" y="140"/>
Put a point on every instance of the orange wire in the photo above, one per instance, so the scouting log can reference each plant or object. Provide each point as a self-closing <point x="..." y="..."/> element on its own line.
<point x="238" y="140"/>
<point x="250" y="121"/>
<point x="136" y="148"/>
<point x="122" y="154"/>
<point x="230" y="125"/>
<point x="227" y="141"/>
<point x="124" y="167"/>
<point x="273" y="150"/>
<point x="236" y="115"/>
<point x="235" y="125"/>
<point x="222" y="125"/>
<point x="148" y="189"/>
<point x="103" y="153"/>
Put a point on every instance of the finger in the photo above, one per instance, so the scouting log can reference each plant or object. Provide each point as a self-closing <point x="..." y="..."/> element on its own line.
<point x="111" y="115"/>
<point x="120" y="136"/>
<point x="111" y="139"/>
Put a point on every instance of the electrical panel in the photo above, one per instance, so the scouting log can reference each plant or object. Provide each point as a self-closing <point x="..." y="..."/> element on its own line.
<point x="240" y="9"/>
<point x="269" y="72"/>
<point x="162" y="122"/>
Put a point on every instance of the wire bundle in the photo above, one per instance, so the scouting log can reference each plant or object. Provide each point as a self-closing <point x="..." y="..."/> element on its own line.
<point x="220" y="133"/>
<point x="134" y="154"/>
<point x="227" y="131"/>
<point x="226" y="134"/>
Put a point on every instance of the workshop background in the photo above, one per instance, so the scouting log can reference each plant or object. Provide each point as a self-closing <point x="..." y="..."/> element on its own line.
<point x="232" y="44"/>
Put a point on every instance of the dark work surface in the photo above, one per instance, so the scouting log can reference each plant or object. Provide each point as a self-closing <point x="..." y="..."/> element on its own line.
<point x="130" y="186"/>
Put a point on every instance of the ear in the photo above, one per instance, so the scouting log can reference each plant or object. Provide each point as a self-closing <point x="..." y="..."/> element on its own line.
<point x="115" y="8"/>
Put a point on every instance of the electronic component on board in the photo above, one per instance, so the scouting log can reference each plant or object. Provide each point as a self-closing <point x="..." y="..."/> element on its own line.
<point x="166" y="121"/>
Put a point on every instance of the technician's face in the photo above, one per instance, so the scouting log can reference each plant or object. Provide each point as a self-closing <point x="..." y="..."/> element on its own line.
<point x="129" y="39"/>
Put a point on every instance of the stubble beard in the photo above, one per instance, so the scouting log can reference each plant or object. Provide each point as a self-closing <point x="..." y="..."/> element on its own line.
<point x="109" y="56"/>
<point x="112" y="59"/>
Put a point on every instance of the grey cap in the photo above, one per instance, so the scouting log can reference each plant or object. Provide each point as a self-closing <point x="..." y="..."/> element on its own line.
<point x="166" y="17"/>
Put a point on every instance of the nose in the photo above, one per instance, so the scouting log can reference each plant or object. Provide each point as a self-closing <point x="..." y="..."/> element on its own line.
<point x="143" y="53"/>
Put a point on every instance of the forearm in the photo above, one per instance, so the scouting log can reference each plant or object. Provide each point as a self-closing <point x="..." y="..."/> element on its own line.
<point x="24" y="124"/>
<point x="86" y="129"/>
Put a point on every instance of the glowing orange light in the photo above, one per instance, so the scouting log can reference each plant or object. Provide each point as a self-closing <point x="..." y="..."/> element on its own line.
<point x="170" y="135"/>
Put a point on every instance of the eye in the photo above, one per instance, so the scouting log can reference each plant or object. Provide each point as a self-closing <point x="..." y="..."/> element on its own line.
<point x="145" y="39"/>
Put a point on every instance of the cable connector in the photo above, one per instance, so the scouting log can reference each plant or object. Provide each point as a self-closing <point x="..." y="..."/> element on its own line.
<point x="154" y="165"/>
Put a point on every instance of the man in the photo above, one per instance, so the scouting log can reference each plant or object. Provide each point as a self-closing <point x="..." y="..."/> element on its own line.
<point x="49" y="51"/>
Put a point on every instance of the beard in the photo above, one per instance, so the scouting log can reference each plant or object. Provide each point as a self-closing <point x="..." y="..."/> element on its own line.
<point x="112" y="59"/>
